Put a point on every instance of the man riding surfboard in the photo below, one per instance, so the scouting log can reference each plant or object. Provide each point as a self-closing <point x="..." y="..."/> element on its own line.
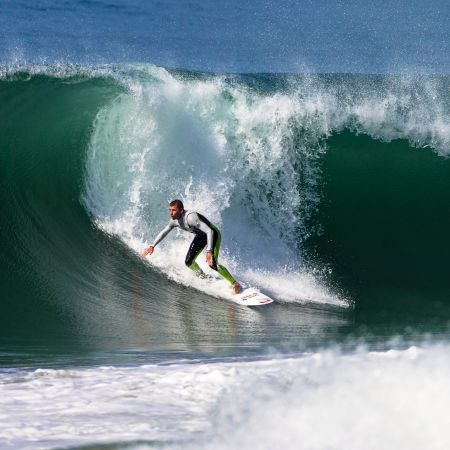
<point x="206" y="234"/>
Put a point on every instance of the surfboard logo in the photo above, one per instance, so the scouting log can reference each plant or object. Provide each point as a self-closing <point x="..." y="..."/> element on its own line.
<point x="266" y="300"/>
<point x="251" y="297"/>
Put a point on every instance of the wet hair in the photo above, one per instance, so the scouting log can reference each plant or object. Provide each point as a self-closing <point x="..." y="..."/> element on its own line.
<point x="177" y="203"/>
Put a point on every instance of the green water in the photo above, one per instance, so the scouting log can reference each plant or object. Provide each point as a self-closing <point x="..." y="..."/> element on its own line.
<point x="385" y="216"/>
<point x="381" y="228"/>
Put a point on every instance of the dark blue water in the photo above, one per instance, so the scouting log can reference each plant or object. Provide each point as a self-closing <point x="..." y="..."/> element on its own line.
<point x="233" y="36"/>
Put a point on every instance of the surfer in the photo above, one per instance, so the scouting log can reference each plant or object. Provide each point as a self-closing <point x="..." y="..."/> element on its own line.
<point x="206" y="234"/>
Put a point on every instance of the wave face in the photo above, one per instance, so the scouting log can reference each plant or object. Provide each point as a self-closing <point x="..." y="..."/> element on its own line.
<point x="325" y="188"/>
<point x="45" y="234"/>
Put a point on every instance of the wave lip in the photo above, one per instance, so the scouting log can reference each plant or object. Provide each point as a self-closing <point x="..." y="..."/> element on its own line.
<point x="247" y="155"/>
<point x="197" y="139"/>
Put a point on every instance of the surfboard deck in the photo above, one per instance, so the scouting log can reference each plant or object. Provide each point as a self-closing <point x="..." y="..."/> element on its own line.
<point x="251" y="297"/>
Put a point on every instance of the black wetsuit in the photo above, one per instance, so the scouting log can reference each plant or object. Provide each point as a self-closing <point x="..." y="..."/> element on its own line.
<point x="206" y="235"/>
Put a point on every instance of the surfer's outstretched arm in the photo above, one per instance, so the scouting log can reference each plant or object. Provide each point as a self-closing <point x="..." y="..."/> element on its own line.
<point x="158" y="239"/>
<point x="162" y="234"/>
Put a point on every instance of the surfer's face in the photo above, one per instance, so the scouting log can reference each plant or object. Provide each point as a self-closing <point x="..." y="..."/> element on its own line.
<point x="175" y="212"/>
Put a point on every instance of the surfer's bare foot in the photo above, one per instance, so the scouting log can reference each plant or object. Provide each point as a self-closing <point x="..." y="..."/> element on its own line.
<point x="235" y="288"/>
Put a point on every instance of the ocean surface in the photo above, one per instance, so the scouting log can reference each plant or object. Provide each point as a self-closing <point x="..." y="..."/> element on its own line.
<point x="315" y="135"/>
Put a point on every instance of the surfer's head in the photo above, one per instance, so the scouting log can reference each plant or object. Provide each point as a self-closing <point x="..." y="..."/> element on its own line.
<point x="176" y="209"/>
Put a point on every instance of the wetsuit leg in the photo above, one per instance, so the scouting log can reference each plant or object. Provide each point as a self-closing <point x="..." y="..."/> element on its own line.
<point x="216" y="246"/>
<point x="197" y="245"/>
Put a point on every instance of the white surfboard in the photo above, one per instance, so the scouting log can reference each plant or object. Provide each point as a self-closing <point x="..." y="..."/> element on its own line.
<point x="251" y="297"/>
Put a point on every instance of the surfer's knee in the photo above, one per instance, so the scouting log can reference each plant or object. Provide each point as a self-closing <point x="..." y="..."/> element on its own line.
<point x="190" y="258"/>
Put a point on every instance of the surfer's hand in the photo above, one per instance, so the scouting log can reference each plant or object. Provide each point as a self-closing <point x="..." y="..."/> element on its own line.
<point x="209" y="258"/>
<point x="147" y="251"/>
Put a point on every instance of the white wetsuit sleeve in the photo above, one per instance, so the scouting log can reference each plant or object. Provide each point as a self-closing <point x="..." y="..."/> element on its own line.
<point x="163" y="234"/>
<point x="193" y="220"/>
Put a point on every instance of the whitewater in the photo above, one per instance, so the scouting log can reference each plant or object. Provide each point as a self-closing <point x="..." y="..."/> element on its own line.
<point x="244" y="157"/>
<point x="328" y="399"/>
